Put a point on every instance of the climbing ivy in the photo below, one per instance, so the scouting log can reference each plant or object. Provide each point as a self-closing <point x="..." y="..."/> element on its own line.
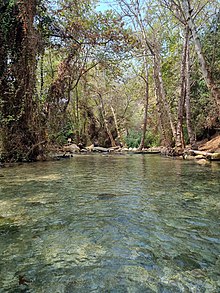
<point x="19" y="118"/>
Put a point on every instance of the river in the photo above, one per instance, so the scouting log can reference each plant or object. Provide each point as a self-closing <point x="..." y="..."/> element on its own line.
<point x="102" y="223"/>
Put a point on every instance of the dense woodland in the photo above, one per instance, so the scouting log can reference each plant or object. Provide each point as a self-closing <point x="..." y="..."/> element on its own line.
<point x="143" y="73"/>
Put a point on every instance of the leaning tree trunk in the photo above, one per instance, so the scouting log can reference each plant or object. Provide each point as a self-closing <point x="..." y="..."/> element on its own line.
<point x="161" y="91"/>
<point x="215" y="91"/>
<point x="119" y="135"/>
<point x="59" y="90"/>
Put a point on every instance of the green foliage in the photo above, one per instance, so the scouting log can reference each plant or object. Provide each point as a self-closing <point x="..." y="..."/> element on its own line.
<point x="185" y="134"/>
<point x="61" y="137"/>
<point x="7" y="17"/>
<point x="58" y="138"/>
<point x="202" y="107"/>
<point x="152" y="139"/>
<point x="134" y="138"/>
<point x="211" y="46"/>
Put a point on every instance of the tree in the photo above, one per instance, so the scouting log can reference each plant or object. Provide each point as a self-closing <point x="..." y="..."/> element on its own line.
<point x="86" y="40"/>
<point x="150" y="32"/>
<point x="190" y="14"/>
<point x="191" y="132"/>
<point x="133" y="9"/>
<point x="180" y="143"/>
<point x="21" y="133"/>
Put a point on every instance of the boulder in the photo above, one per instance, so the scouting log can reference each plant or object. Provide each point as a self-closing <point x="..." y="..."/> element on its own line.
<point x="71" y="148"/>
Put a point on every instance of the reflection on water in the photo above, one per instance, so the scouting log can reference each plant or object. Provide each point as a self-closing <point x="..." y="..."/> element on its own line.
<point x="110" y="224"/>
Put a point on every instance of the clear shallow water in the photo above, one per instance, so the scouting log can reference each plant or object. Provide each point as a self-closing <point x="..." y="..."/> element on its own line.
<point x="110" y="224"/>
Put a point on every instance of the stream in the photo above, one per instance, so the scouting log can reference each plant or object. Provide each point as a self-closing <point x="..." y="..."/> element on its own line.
<point x="110" y="223"/>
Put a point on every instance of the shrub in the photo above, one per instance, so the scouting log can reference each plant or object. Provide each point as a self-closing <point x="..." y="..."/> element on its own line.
<point x="134" y="138"/>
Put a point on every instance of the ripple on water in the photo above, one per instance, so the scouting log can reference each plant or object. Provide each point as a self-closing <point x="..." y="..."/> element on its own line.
<point x="110" y="224"/>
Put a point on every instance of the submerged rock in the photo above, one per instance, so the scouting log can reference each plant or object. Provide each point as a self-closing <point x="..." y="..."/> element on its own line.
<point x="106" y="195"/>
<point x="186" y="262"/>
<point x="203" y="162"/>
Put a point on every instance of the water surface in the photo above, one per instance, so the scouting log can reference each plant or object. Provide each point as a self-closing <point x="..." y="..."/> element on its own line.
<point x="125" y="223"/>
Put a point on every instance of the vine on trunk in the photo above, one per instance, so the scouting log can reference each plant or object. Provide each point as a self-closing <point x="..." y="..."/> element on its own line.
<point x="20" y="119"/>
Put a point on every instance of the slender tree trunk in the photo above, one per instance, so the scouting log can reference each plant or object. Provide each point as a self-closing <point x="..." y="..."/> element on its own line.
<point x="190" y="131"/>
<point x="162" y="92"/>
<point x="3" y="67"/>
<point x="41" y="74"/>
<point x="179" y="130"/>
<point x="146" y="102"/>
<point x="215" y="91"/>
<point x="159" y="105"/>
<point x="119" y="136"/>
<point x="77" y="116"/>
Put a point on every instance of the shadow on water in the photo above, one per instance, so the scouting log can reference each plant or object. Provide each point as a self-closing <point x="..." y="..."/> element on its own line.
<point x="106" y="196"/>
<point x="110" y="224"/>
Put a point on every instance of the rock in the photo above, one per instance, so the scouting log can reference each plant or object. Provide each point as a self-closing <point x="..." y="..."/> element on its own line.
<point x="124" y="149"/>
<point x="214" y="157"/>
<point x="100" y="149"/>
<point x="90" y="148"/>
<point x="199" y="157"/>
<point x="188" y="157"/>
<point x="167" y="151"/>
<point x="203" y="162"/>
<point x="1" y="165"/>
<point x="72" y="148"/>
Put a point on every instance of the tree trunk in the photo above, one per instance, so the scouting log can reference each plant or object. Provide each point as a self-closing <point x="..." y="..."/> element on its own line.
<point x="42" y="75"/>
<point x="21" y="124"/>
<point x="146" y="101"/>
<point x="119" y="136"/>
<point x="157" y="65"/>
<point x="204" y="67"/>
<point x="113" y="144"/>
<point x="190" y="131"/>
<point x="179" y="129"/>
<point x="159" y="105"/>
<point x="77" y="116"/>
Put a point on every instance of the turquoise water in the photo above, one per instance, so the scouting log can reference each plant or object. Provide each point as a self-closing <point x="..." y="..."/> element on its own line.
<point x="123" y="223"/>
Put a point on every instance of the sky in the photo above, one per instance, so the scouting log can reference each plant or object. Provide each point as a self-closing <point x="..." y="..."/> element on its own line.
<point x="104" y="5"/>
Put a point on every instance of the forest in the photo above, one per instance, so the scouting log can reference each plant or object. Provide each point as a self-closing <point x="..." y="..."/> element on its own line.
<point x="139" y="73"/>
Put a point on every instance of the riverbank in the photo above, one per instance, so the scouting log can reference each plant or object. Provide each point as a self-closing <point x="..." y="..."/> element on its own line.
<point x="208" y="150"/>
